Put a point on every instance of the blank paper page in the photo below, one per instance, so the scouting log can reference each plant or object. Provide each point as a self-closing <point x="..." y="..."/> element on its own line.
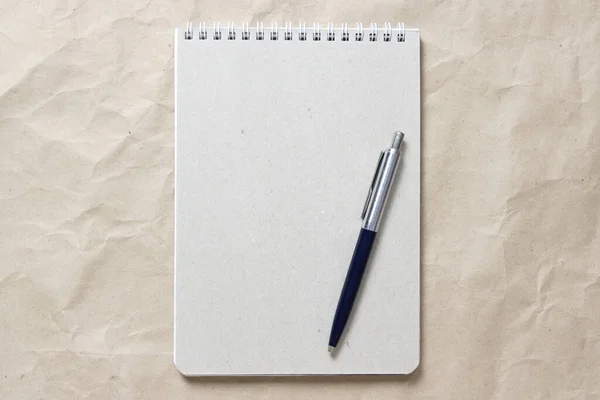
<point x="276" y="145"/>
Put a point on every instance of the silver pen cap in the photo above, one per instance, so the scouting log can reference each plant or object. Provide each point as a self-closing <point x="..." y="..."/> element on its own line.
<point x="381" y="184"/>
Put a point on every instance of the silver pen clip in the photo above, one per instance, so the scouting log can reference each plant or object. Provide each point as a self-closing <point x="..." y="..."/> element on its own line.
<point x="370" y="193"/>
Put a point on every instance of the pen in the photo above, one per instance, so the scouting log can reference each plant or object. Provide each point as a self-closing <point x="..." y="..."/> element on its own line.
<point x="371" y="217"/>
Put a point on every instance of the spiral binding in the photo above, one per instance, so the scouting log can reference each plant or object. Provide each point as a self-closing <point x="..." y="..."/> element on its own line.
<point x="330" y="34"/>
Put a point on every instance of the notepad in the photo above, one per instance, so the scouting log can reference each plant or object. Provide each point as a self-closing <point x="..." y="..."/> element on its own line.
<point x="278" y="130"/>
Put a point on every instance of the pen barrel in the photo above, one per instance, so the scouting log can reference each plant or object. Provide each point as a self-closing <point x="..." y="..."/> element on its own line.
<point x="382" y="183"/>
<point x="362" y="250"/>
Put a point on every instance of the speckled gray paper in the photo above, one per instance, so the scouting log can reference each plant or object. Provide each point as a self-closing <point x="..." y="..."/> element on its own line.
<point x="276" y="145"/>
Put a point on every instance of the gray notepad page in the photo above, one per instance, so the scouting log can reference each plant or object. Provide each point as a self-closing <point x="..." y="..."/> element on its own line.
<point x="276" y="142"/>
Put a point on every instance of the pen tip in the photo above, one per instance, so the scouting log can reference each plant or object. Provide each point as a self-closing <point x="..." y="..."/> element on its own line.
<point x="397" y="141"/>
<point x="331" y="349"/>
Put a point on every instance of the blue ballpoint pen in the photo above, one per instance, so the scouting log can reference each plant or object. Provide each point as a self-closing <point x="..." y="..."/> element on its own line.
<point x="371" y="216"/>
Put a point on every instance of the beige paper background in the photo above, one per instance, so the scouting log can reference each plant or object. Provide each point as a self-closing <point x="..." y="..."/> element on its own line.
<point x="511" y="197"/>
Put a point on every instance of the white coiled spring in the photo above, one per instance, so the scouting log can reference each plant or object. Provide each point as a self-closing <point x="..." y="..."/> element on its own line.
<point x="387" y="33"/>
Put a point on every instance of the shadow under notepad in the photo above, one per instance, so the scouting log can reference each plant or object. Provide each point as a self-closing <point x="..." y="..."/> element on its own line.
<point x="287" y="380"/>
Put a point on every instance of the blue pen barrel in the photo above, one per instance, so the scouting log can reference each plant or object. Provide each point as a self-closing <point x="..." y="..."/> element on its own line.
<point x="366" y="238"/>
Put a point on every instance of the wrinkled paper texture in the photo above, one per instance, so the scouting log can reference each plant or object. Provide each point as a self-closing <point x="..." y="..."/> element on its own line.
<point x="511" y="197"/>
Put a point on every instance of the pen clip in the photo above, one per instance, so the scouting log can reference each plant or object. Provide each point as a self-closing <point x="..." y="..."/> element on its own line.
<point x="370" y="193"/>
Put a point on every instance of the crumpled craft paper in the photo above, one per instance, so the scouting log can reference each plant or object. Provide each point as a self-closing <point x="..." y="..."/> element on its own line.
<point x="511" y="169"/>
